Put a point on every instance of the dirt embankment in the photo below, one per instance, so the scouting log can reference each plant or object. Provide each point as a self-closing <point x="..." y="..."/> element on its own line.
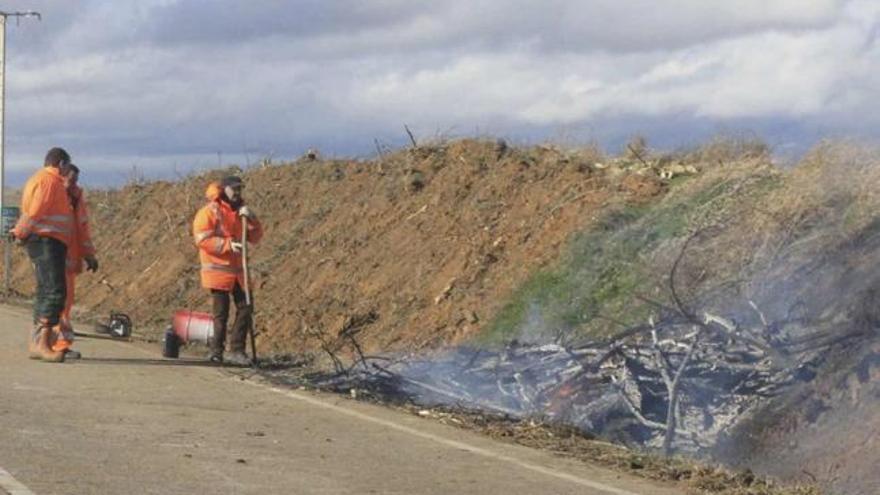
<point x="440" y="244"/>
<point x="423" y="243"/>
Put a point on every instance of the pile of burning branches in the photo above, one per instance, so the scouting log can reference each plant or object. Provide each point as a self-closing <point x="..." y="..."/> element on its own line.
<point x="679" y="382"/>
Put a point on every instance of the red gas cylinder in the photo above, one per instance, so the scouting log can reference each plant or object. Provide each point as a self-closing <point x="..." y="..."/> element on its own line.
<point x="193" y="326"/>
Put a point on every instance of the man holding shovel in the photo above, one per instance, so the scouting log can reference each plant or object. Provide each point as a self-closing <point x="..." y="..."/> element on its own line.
<point x="219" y="231"/>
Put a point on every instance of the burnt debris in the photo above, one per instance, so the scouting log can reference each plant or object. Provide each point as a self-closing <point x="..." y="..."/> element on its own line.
<point x="677" y="384"/>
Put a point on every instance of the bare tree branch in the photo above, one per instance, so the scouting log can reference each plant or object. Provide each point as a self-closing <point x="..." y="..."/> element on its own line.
<point x="411" y="137"/>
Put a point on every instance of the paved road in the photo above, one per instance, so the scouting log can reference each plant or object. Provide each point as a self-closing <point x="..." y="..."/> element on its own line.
<point x="123" y="421"/>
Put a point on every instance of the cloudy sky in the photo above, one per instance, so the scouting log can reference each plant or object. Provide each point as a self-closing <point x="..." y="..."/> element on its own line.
<point x="169" y="86"/>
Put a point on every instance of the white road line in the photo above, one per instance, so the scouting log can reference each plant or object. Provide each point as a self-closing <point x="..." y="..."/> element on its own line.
<point x="595" y="485"/>
<point x="11" y="485"/>
<point x="450" y="443"/>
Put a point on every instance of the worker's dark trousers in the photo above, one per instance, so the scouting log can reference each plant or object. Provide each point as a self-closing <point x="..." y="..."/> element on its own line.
<point x="243" y="316"/>
<point x="49" y="257"/>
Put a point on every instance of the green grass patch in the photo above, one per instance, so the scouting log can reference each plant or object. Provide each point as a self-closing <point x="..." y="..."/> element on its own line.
<point x="594" y="284"/>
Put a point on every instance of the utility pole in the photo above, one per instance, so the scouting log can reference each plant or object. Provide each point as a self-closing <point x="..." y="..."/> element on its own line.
<point x="7" y="215"/>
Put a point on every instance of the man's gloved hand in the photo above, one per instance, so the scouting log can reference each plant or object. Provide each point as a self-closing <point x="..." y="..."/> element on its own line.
<point x="236" y="246"/>
<point x="246" y="212"/>
<point x="91" y="263"/>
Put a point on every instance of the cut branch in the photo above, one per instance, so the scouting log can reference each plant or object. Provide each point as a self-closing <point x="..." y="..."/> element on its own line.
<point x="412" y="138"/>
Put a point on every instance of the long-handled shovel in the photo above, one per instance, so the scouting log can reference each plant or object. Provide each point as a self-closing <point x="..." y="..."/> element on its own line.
<point x="247" y="287"/>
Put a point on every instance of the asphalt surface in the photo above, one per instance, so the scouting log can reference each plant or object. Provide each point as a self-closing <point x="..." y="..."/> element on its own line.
<point x="124" y="421"/>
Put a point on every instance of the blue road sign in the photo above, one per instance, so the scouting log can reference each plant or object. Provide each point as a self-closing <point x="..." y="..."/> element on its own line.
<point x="9" y="216"/>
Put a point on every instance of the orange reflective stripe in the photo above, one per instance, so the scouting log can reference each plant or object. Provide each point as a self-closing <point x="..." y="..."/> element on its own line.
<point x="208" y="267"/>
<point x="58" y="218"/>
<point x="44" y="226"/>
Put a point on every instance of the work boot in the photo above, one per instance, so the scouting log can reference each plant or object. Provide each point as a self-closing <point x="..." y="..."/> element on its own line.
<point x="72" y="354"/>
<point x="237" y="358"/>
<point x="33" y="350"/>
<point x="45" y="347"/>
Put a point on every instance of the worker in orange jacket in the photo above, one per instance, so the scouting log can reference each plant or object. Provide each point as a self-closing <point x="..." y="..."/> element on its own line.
<point x="217" y="231"/>
<point x="81" y="249"/>
<point x="45" y="228"/>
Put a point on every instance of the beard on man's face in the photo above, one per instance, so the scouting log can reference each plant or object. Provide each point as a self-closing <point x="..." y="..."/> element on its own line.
<point x="233" y="202"/>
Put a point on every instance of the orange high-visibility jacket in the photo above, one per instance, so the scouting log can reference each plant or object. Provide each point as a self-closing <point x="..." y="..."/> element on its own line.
<point x="45" y="208"/>
<point x="215" y="227"/>
<point x="81" y="241"/>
